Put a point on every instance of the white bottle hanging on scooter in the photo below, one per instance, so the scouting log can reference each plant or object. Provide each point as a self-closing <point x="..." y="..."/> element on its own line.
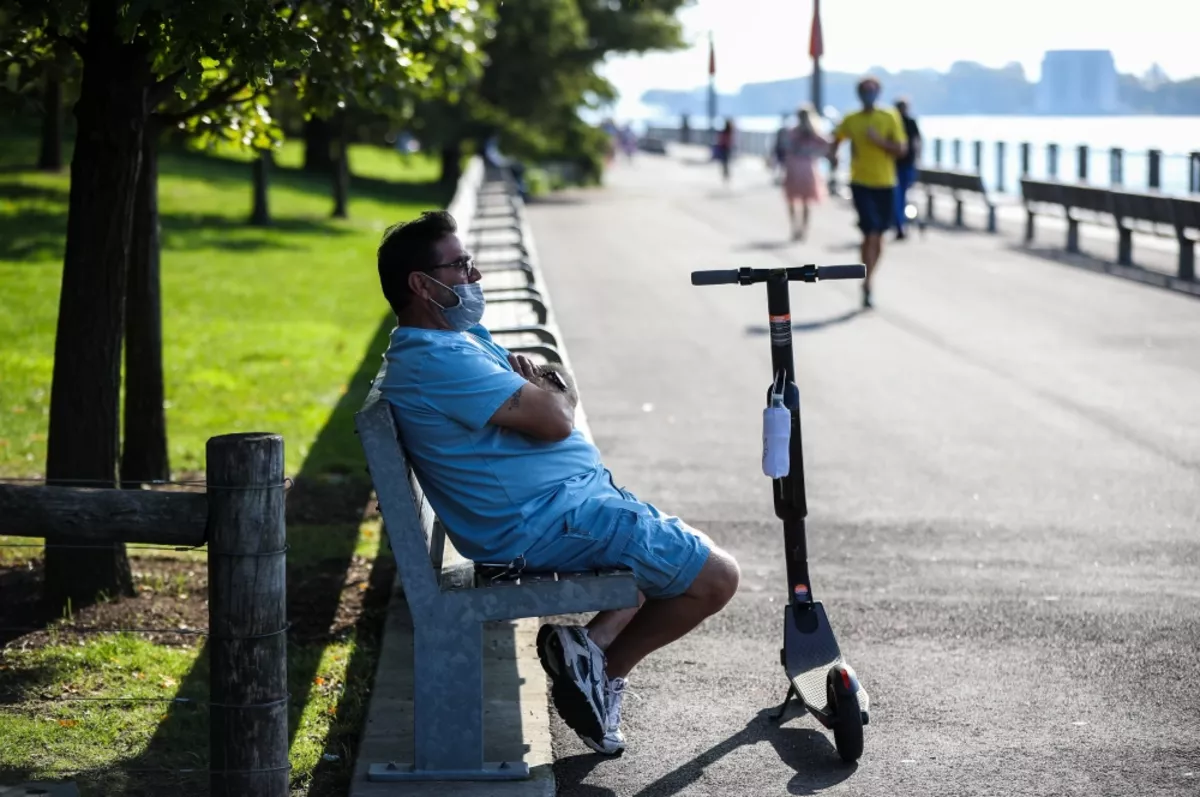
<point x="777" y="435"/>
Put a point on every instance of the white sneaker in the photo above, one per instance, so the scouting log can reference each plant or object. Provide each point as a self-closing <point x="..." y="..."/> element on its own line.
<point x="578" y="682"/>
<point x="613" y="742"/>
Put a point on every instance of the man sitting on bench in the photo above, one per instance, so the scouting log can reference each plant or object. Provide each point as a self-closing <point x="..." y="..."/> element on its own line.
<point x="493" y="441"/>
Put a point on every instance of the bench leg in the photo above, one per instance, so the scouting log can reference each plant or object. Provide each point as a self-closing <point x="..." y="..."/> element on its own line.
<point x="448" y="709"/>
<point x="991" y="218"/>
<point x="1029" y="216"/>
<point x="1187" y="257"/>
<point x="1124" y="245"/>
<point x="1072" y="235"/>
<point x="958" y="212"/>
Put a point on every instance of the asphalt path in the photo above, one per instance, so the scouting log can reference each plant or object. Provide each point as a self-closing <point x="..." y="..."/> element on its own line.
<point x="1003" y="467"/>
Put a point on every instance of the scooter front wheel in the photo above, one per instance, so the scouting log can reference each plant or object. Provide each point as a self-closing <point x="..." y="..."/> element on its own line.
<point x="847" y="723"/>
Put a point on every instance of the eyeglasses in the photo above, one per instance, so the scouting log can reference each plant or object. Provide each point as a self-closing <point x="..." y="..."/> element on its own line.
<point x="465" y="266"/>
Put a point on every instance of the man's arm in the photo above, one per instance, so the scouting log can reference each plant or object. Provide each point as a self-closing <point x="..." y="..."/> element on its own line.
<point x="894" y="144"/>
<point x="538" y="408"/>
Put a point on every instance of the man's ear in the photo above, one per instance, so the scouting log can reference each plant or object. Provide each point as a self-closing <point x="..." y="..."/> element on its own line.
<point x="417" y="285"/>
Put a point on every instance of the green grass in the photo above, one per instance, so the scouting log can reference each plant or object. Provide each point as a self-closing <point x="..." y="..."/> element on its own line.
<point x="261" y="327"/>
<point x="276" y="329"/>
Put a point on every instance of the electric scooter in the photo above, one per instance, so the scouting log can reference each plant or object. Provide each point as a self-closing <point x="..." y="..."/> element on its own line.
<point x="825" y="684"/>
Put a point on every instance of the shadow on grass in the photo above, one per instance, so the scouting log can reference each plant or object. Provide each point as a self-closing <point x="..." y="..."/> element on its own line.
<point x="325" y="508"/>
<point x="36" y="232"/>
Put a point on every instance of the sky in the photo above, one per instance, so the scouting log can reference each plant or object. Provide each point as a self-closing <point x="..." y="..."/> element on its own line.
<point x="759" y="40"/>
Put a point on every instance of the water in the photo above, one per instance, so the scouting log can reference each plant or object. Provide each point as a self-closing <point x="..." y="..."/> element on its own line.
<point x="1175" y="136"/>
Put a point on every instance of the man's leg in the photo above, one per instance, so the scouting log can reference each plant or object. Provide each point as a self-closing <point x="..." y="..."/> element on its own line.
<point x="605" y="626"/>
<point x="661" y="622"/>
<point x="901" y="200"/>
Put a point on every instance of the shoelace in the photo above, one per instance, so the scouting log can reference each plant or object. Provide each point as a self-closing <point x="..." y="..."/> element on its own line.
<point x="616" y="691"/>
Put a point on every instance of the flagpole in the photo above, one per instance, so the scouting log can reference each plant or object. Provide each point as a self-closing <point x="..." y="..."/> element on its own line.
<point x="712" y="83"/>
<point x="816" y="48"/>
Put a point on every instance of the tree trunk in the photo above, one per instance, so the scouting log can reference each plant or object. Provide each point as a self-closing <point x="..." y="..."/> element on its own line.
<point x="341" y="176"/>
<point x="144" y="452"/>
<point x="260" y="216"/>
<point x="318" y="143"/>
<point x="50" y="153"/>
<point x="451" y="163"/>
<point x="85" y="391"/>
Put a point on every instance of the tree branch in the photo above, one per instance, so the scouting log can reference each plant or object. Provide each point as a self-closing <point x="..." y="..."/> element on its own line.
<point x="162" y="88"/>
<point x="77" y="44"/>
<point x="220" y="95"/>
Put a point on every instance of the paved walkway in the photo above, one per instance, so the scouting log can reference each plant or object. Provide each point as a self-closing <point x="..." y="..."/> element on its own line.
<point x="1004" y="484"/>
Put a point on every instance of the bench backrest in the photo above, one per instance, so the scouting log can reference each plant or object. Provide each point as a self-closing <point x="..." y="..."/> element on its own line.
<point x="953" y="179"/>
<point x="412" y="527"/>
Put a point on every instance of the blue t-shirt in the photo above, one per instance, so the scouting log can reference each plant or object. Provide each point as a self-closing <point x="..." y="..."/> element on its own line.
<point x="496" y="490"/>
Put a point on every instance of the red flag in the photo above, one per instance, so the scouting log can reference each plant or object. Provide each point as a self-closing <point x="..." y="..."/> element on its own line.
<point x="712" y="56"/>
<point x="816" y="42"/>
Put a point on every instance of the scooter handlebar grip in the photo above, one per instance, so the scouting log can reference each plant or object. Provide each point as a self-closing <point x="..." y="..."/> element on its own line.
<point x="841" y="272"/>
<point x="721" y="277"/>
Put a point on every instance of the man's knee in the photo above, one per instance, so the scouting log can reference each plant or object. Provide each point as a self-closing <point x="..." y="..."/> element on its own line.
<point x="717" y="581"/>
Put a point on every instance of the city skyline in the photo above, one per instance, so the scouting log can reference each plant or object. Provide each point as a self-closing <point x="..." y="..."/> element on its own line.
<point x="763" y="40"/>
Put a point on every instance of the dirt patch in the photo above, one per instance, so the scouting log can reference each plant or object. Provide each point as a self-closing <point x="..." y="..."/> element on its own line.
<point x="171" y="604"/>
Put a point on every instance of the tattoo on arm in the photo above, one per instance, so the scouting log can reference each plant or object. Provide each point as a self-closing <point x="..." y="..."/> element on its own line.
<point x="515" y="401"/>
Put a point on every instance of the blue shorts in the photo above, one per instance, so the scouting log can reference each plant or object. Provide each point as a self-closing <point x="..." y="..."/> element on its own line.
<point x="876" y="208"/>
<point x="614" y="530"/>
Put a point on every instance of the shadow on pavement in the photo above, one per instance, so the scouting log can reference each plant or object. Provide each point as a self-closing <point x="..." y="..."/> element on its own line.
<point x="809" y="326"/>
<point x="1099" y="265"/>
<point x="765" y="246"/>
<point x="805" y="750"/>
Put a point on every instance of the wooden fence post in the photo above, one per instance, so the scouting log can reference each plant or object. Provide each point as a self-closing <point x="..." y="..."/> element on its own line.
<point x="247" y="647"/>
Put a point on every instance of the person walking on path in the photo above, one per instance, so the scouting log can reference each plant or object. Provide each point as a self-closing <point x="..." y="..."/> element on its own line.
<point x="723" y="151"/>
<point x="906" y="165"/>
<point x="779" y="150"/>
<point x="877" y="139"/>
<point x="804" y="146"/>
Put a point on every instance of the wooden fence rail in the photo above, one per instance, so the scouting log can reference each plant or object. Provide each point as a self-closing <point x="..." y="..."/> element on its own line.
<point x="241" y="519"/>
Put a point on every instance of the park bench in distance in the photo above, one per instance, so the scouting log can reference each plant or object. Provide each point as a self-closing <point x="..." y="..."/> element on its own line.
<point x="1179" y="213"/>
<point x="955" y="183"/>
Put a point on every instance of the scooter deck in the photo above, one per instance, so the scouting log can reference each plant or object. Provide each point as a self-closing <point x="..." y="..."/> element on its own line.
<point x="809" y="650"/>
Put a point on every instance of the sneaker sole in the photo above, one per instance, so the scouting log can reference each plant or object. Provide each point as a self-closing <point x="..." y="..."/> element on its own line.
<point x="613" y="753"/>
<point x="569" y="700"/>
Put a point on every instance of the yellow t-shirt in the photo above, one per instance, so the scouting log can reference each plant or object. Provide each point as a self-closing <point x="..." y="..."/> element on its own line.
<point x="870" y="164"/>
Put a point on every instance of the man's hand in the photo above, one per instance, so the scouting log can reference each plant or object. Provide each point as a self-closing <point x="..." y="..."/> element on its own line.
<point x="893" y="148"/>
<point x="540" y="409"/>
<point x="525" y="367"/>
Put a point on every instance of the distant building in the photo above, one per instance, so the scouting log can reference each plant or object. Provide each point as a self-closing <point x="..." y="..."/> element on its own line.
<point x="1078" y="82"/>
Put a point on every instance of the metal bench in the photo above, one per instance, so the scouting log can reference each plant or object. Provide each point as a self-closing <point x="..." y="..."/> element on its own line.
<point x="449" y="606"/>
<point x="1179" y="213"/>
<point x="1072" y="197"/>
<point x="956" y="183"/>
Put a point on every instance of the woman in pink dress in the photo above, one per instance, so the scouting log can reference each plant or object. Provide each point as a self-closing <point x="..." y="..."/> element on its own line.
<point x="802" y="181"/>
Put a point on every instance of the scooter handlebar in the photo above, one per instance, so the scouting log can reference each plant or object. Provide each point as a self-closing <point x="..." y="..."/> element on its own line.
<point x="751" y="276"/>
<point x="721" y="277"/>
<point x="841" y="272"/>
